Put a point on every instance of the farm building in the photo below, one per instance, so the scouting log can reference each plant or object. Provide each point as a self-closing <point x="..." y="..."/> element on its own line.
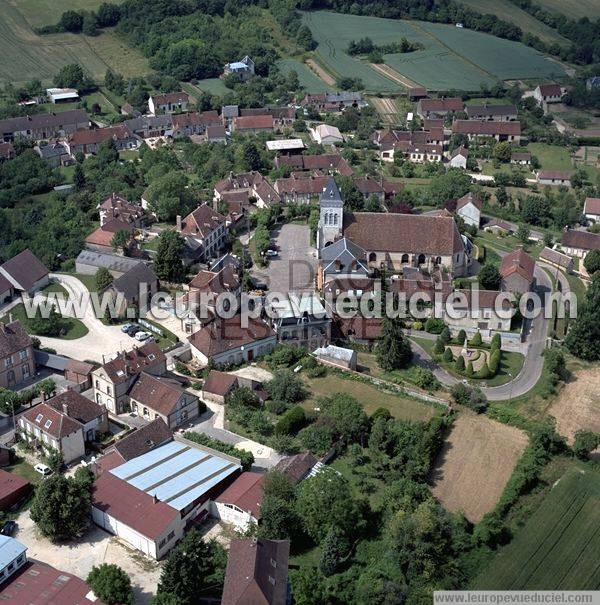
<point x="326" y="135"/>
<point x="244" y="68"/>
<point x="88" y="262"/>
<point x="13" y="489"/>
<point x="151" y="126"/>
<point x="497" y="113"/>
<point x="89" y="141"/>
<point x="13" y="556"/>
<point x="579" y="243"/>
<point x="299" y="467"/>
<point x="520" y="157"/>
<point x="591" y="209"/>
<point x="253" y="124"/>
<point x="498" y="225"/>
<point x="62" y="95"/>
<point x="25" y="272"/>
<point x="54" y="154"/>
<point x="416" y="93"/>
<point x="554" y="177"/>
<point x="548" y="93"/>
<point x="433" y="108"/>
<point x="501" y="131"/>
<point x="469" y="208"/>
<point x="556" y="259"/>
<point x="332" y="101"/>
<point x="218" y="385"/>
<point x="286" y="146"/>
<point x="149" y="500"/>
<point x="327" y="162"/>
<point x="44" y="126"/>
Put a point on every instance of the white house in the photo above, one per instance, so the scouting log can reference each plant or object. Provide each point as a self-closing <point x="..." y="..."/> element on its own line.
<point x="169" y="102"/>
<point x="25" y="272"/>
<point x="548" y="93"/>
<point x="554" y="177"/>
<point x="458" y="158"/>
<point x="240" y="503"/>
<point x="591" y="209"/>
<point x="13" y="555"/>
<point x="326" y="135"/>
<point x="579" y="243"/>
<point x="468" y="207"/>
<point x="244" y="68"/>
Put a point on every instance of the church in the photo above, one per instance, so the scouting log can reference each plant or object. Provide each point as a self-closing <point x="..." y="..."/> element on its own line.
<point x="392" y="241"/>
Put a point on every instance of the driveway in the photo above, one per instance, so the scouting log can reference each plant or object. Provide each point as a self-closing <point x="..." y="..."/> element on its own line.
<point x="95" y="547"/>
<point x="100" y="342"/>
<point x="294" y="268"/>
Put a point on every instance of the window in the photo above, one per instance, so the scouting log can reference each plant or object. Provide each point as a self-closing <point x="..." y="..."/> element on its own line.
<point x="8" y="362"/>
<point x="272" y="580"/>
<point x="38" y="418"/>
<point x="273" y="563"/>
<point x="23" y="354"/>
<point x="48" y="424"/>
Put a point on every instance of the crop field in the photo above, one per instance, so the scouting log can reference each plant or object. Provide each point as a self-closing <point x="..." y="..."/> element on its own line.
<point x="477" y="460"/>
<point x="26" y="55"/>
<point x="47" y="12"/>
<point x="507" y="11"/>
<point x="214" y="86"/>
<point x="308" y="79"/>
<point x="452" y="58"/>
<point x="575" y="9"/>
<point x="557" y="549"/>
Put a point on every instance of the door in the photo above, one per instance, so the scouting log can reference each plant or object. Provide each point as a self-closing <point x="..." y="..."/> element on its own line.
<point x="250" y="354"/>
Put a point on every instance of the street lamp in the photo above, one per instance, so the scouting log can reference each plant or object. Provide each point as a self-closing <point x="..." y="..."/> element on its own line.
<point x="511" y="387"/>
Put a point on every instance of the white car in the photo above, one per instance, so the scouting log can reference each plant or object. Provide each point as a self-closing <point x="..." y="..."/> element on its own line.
<point x="141" y="336"/>
<point x="272" y="253"/>
<point x="43" y="470"/>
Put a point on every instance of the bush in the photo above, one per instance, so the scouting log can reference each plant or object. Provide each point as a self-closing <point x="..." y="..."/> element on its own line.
<point x="425" y="379"/>
<point x="469" y="397"/>
<point x="494" y="361"/>
<point x="476" y="341"/>
<point x="496" y="342"/>
<point x="276" y="406"/>
<point x="445" y="335"/>
<point x="434" y="326"/>
<point x="460" y="364"/>
<point x="284" y="356"/>
<point x="462" y="336"/>
<point x="483" y="372"/>
<point x="246" y="458"/>
<point x="284" y="444"/>
<point x="439" y="348"/>
<point x="286" y="386"/>
<point x="291" y="422"/>
<point x="469" y="371"/>
<point x="585" y="443"/>
<point x="417" y="325"/>
<point x="317" y="438"/>
<point x="448" y="357"/>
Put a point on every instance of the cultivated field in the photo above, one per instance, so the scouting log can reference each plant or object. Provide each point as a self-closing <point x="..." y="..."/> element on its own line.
<point x="507" y="11"/>
<point x="308" y="79"/>
<point x="475" y="464"/>
<point x="575" y="9"/>
<point x="214" y="86"/>
<point x="558" y="547"/>
<point x="386" y="108"/>
<point x="578" y="404"/>
<point x="47" y="12"/>
<point x="26" y="55"/>
<point x="452" y="58"/>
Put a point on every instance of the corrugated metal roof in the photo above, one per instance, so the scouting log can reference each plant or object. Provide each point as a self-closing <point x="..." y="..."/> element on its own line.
<point x="176" y="473"/>
<point x="10" y="549"/>
<point x="49" y="360"/>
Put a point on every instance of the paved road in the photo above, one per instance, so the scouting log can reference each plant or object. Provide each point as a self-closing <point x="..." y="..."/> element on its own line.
<point x="294" y="269"/>
<point x="100" y="341"/>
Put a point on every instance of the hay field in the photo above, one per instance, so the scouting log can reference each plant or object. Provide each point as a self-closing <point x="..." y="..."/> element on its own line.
<point x="308" y="79"/>
<point x="557" y="549"/>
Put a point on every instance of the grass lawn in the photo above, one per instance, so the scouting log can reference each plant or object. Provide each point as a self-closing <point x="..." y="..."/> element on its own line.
<point x="54" y="286"/>
<point x="577" y="286"/>
<point x="25" y="470"/>
<point x="370" y="397"/>
<point x="74" y="328"/>
<point x="89" y="281"/>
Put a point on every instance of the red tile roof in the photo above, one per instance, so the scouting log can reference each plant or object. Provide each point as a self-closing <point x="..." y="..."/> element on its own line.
<point x="60" y="425"/>
<point x="486" y="128"/>
<point x="159" y="394"/>
<point x="446" y="104"/>
<point x="13" y="338"/>
<point x="130" y="363"/>
<point x="10" y="483"/>
<point x="90" y="137"/>
<point x="554" y="175"/>
<point x="219" y="383"/>
<point x="170" y="97"/>
<point x="591" y="205"/>
<point x="76" y="406"/>
<point x="246" y="492"/>
<point x="265" y="122"/>
<point x="519" y="262"/>
<point x="584" y="240"/>
<point x="469" y="198"/>
<point x="132" y="506"/>
<point x="202" y="221"/>
<point x="550" y="90"/>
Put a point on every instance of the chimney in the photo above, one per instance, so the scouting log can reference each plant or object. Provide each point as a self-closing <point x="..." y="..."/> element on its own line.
<point x="154" y="499"/>
<point x="65" y="408"/>
<point x="178" y="222"/>
<point x="10" y="318"/>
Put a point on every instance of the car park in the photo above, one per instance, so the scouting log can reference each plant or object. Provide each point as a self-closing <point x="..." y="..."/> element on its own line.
<point x="142" y="336"/>
<point x="134" y="329"/>
<point x="126" y="327"/>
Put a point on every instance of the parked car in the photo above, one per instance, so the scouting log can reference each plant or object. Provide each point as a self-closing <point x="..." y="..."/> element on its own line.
<point x="126" y="327"/>
<point x="42" y="469"/>
<point x="272" y="253"/>
<point x="141" y="336"/>
<point x="133" y="330"/>
<point x="8" y="529"/>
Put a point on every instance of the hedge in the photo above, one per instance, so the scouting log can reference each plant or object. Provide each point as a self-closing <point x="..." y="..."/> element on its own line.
<point x="291" y="422"/>
<point x="246" y="458"/>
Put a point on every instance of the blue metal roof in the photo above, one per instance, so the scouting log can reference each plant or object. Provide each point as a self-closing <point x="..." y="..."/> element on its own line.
<point x="10" y="549"/>
<point x="238" y="65"/>
<point x="176" y="473"/>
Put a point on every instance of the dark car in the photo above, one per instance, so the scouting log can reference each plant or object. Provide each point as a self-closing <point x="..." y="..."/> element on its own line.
<point x="133" y="330"/>
<point x="8" y="529"/>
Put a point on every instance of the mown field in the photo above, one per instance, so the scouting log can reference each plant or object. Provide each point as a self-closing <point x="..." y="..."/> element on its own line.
<point x="308" y="79"/>
<point x="47" y="12"/>
<point x="26" y="55"/>
<point x="575" y="9"/>
<point x="451" y="57"/>
<point x="507" y="11"/>
<point x="558" y="546"/>
<point x="214" y="86"/>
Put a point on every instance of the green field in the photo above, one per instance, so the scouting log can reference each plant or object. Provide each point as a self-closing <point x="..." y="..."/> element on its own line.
<point x="308" y="79"/>
<point x="26" y="55"/>
<point x="48" y="12"/>
<point x="214" y="86"/>
<point x="507" y="11"/>
<point x="575" y="9"/>
<point x="452" y="58"/>
<point x="558" y="546"/>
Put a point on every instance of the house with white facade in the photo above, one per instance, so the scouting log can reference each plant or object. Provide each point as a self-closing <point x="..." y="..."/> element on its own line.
<point x="239" y="505"/>
<point x="326" y="135"/>
<point x="168" y="102"/>
<point x="591" y="209"/>
<point x="578" y="243"/>
<point x="554" y="178"/>
<point x="468" y="207"/>
<point x="458" y="158"/>
<point x="13" y="556"/>
<point x="204" y="232"/>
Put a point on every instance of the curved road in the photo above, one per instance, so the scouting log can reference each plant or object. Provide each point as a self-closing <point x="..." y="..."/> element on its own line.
<point x="535" y="330"/>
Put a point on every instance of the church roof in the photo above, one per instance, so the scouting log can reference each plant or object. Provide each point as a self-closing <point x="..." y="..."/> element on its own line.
<point x="331" y="196"/>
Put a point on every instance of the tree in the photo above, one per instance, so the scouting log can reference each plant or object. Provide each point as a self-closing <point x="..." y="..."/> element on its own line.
<point x="61" y="507"/>
<point x="476" y="341"/>
<point x="168" y="196"/>
<point x="79" y="177"/>
<point x="291" y="422"/>
<point x="393" y="349"/>
<point x="439" y="348"/>
<point x="585" y="443"/>
<point x="111" y="584"/>
<point x="103" y="278"/>
<point x="469" y="371"/>
<point x="120" y="239"/>
<point x="449" y="186"/>
<point x="503" y="151"/>
<point x="335" y="548"/>
<point x="71" y="75"/>
<point x="448" y="357"/>
<point x="496" y="342"/>
<point x="278" y="519"/>
<point x="194" y="568"/>
<point x="460" y="364"/>
<point x="523" y="234"/>
<point x="71" y="21"/>
<point x="489" y="277"/>
<point x="591" y="262"/>
<point x="462" y="336"/>
<point x="349" y="418"/>
<point x="169" y="257"/>
<point x="286" y="386"/>
<point x="108" y="14"/>
<point x="469" y="396"/>
<point x="445" y="335"/>
<point x="90" y="25"/>
<point x="583" y="339"/>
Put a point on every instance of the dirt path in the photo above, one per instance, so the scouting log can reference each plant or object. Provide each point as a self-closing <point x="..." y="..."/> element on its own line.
<point x="325" y="76"/>
<point x="386" y="108"/>
<point x="393" y="75"/>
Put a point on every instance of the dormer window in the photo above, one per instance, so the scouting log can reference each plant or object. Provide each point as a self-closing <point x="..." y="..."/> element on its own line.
<point x="48" y="424"/>
<point x="38" y="418"/>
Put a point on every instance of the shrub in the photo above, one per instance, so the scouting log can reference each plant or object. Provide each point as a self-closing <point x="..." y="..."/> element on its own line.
<point x="483" y="372"/>
<point x="585" y="443"/>
<point x="286" y="386"/>
<point x="494" y="361"/>
<point x="317" y="438"/>
<point x="476" y="341"/>
<point x="291" y="422"/>
<point x="284" y="356"/>
<point x="417" y="325"/>
<point x="426" y="379"/>
<point x="462" y="336"/>
<point x="276" y="406"/>
<point x="469" y="371"/>
<point x="439" y="348"/>
<point x="448" y="357"/>
<point x="496" y="342"/>
<point x="434" y="326"/>
<point x="380" y="413"/>
<point x="460" y="364"/>
<point x="246" y="458"/>
<point x="284" y="444"/>
<point x="445" y="335"/>
<point x="469" y="396"/>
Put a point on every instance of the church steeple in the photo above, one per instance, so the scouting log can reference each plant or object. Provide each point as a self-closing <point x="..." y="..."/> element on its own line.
<point x="331" y="214"/>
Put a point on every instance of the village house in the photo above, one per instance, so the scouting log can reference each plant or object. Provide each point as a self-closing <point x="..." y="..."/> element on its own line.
<point x="226" y="341"/>
<point x="554" y="178"/>
<point x="92" y="417"/>
<point x="100" y="240"/>
<point x="517" y="272"/>
<point x="343" y="259"/>
<point x="420" y="154"/>
<point x="169" y="102"/>
<point x="282" y="116"/>
<point x="286" y="147"/>
<point x="253" y="124"/>
<point x="137" y="286"/>
<point x="25" y="272"/>
<point x="497" y="113"/>
<point x="151" y="499"/>
<point x="416" y="93"/>
<point x="468" y="207"/>
<point x="436" y="108"/>
<point x="257" y="571"/>
<point x="117" y="207"/>
<point x="579" y="243"/>
<point x="299" y="467"/>
<point x="556" y="259"/>
<point x="88" y="141"/>
<point x="14" y="490"/>
<point x="151" y="126"/>
<point x="522" y="158"/>
<point x="7" y="151"/>
<point x="54" y="154"/>
<point x="332" y="101"/>
<point x="188" y="124"/>
<point x="204" y="232"/>
<point x="300" y="189"/>
<point x="459" y="158"/>
<point x="250" y="185"/>
<point x="243" y="69"/>
<point x="239" y="505"/>
<point x="501" y="131"/>
<point x="44" y="126"/>
<point x="499" y="226"/>
<point x="548" y="93"/>
<point x="88" y="262"/>
<point x="218" y="386"/>
<point x="13" y="557"/>
<point x="113" y="379"/>
<point x="329" y="163"/>
<point x="153" y="397"/>
<point x="417" y="146"/>
<point x="381" y="188"/>
<point x="17" y="361"/>
<point x="216" y="134"/>
<point x="323" y="134"/>
<point x="591" y="209"/>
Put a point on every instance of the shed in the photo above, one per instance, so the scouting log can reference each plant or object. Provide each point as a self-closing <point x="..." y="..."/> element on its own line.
<point x="338" y="356"/>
